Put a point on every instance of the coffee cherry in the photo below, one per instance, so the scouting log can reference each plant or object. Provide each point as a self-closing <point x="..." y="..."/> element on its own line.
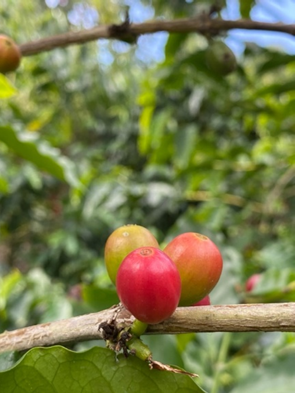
<point x="203" y="302"/>
<point x="10" y="54"/>
<point x="252" y="282"/>
<point x="121" y="242"/>
<point x="220" y="58"/>
<point x="199" y="263"/>
<point x="149" y="285"/>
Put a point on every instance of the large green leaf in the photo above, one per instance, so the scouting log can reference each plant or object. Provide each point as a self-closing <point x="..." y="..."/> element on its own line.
<point x="58" y="370"/>
<point x="40" y="154"/>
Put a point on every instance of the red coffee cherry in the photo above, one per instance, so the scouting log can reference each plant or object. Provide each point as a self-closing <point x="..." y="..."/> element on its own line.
<point x="252" y="282"/>
<point x="149" y="285"/>
<point x="203" y="302"/>
<point x="199" y="263"/>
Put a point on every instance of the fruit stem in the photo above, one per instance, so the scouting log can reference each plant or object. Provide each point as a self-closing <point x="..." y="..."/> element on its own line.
<point x="138" y="327"/>
<point x="139" y="349"/>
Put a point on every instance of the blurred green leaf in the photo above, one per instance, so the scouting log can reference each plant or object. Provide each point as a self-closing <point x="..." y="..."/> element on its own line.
<point x="145" y="122"/>
<point x="282" y="251"/>
<point x="165" y="349"/>
<point x="225" y="290"/>
<point x="276" y="374"/>
<point x="40" y="154"/>
<point x="173" y="45"/>
<point x="7" y="285"/>
<point x="185" y="145"/>
<point x="275" y="60"/>
<point x="245" y="7"/>
<point x="58" y="370"/>
<point x="7" y="90"/>
<point x="4" y="186"/>
<point x="9" y="359"/>
<point x="276" y="88"/>
<point x="274" y="285"/>
<point x="99" y="298"/>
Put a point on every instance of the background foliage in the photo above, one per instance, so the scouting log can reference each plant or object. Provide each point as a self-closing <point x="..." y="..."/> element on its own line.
<point x="96" y="136"/>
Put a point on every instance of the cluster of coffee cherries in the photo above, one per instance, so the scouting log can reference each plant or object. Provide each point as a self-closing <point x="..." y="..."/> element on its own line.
<point x="151" y="283"/>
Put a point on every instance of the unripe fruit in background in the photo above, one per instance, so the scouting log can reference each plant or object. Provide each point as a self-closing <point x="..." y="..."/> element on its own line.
<point x="252" y="282"/>
<point x="199" y="263"/>
<point x="10" y="54"/>
<point x="220" y="58"/>
<point x="149" y="285"/>
<point x="121" y="242"/>
<point x="203" y="302"/>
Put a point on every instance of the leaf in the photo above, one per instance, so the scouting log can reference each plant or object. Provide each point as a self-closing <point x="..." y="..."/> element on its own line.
<point x="7" y="285"/>
<point x="276" y="88"/>
<point x="4" y="186"/>
<point x="99" y="298"/>
<point x="198" y="62"/>
<point x="275" y="60"/>
<point x="58" y="370"/>
<point x="41" y="155"/>
<point x="281" y="250"/>
<point x="224" y="292"/>
<point x="8" y="360"/>
<point x="174" y="42"/>
<point x="274" y="285"/>
<point x="144" y="124"/>
<point x="185" y="145"/>
<point x="164" y="348"/>
<point x="245" y="8"/>
<point x="275" y="375"/>
<point x="7" y="90"/>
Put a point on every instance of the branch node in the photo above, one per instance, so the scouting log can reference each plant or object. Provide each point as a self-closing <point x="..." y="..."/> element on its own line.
<point x="122" y="32"/>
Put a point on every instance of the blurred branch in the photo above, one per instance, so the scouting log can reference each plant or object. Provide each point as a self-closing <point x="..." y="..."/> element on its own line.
<point x="202" y="24"/>
<point x="223" y="318"/>
<point x="278" y="188"/>
<point x="229" y="199"/>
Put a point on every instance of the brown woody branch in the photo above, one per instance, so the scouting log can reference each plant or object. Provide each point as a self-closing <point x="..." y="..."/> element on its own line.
<point x="224" y="318"/>
<point x="202" y="25"/>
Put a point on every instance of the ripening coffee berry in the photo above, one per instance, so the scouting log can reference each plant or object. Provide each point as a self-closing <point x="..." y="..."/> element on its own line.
<point x="121" y="242"/>
<point x="10" y="54"/>
<point x="252" y="282"/>
<point x="220" y="58"/>
<point x="149" y="285"/>
<point x="199" y="263"/>
<point x="203" y="302"/>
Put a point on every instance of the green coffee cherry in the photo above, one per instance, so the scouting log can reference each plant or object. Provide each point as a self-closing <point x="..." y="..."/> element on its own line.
<point x="220" y="58"/>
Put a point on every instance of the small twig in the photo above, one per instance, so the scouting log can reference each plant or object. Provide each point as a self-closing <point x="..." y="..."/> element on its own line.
<point x="230" y="199"/>
<point x="278" y="188"/>
<point x="224" y="318"/>
<point x="202" y="25"/>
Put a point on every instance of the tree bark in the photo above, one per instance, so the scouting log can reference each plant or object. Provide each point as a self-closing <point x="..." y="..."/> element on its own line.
<point x="202" y="24"/>
<point x="223" y="318"/>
